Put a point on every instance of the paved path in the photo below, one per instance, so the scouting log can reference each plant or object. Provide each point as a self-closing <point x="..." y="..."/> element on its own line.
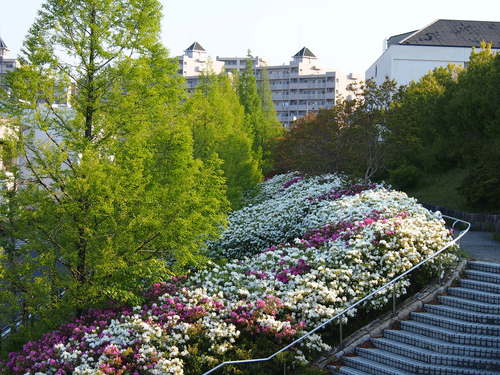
<point x="480" y="245"/>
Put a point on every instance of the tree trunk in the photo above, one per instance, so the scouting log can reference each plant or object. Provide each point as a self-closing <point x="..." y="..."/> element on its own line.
<point x="91" y="70"/>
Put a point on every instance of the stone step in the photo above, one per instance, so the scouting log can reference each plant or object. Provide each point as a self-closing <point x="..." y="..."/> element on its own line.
<point x="410" y="365"/>
<point x="481" y="307"/>
<point x="372" y="367"/>
<point x="475" y="295"/>
<point x="480" y="285"/>
<point x="435" y="358"/>
<point x="450" y="335"/>
<point x="484" y="266"/>
<point x="441" y="346"/>
<point x="459" y="337"/>
<point x="483" y="276"/>
<point x="461" y="314"/>
<point x="346" y="371"/>
<point x="456" y="324"/>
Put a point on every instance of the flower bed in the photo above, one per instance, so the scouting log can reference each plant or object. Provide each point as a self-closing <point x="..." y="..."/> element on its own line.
<point x="340" y="242"/>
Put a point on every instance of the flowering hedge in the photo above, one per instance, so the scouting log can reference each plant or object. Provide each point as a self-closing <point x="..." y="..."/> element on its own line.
<point x="289" y="205"/>
<point x="309" y="247"/>
<point x="276" y="214"/>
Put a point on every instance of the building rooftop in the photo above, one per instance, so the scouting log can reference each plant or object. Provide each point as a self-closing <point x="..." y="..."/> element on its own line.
<point x="395" y="39"/>
<point x="452" y="33"/>
<point x="195" y="47"/>
<point x="2" y="44"/>
<point x="304" y="52"/>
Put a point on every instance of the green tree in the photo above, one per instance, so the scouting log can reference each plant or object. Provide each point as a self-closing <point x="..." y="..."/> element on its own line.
<point x="473" y="120"/>
<point x="108" y="194"/>
<point x="364" y="122"/>
<point x="313" y="145"/>
<point x="418" y="131"/>
<point x="348" y="138"/>
<point x="272" y="127"/>
<point x="217" y="120"/>
<point x="449" y="121"/>
<point x="472" y="108"/>
<point x="260" y="123"/>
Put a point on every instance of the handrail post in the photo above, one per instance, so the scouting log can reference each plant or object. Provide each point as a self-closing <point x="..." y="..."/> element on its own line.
<point x="340" y="332"/>
<point x="394" y="299"/>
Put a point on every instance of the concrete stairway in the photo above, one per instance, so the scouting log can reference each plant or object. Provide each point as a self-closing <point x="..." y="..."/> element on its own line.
<point x="458" y="336"/>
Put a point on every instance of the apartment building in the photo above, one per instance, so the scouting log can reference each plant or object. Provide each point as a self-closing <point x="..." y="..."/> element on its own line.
<point x="303" y="86"/>
<point x="239" y="64"/>
<point x="409" y="56"/>
<point x="196" y="61"/>
<point x="298" y="88"/>
<point x="7" y="64"/>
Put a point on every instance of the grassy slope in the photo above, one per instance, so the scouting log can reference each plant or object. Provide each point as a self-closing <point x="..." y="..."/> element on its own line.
<point x="441" y="190"/>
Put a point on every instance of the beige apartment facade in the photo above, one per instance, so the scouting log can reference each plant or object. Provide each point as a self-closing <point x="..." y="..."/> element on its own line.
<point x="239" y="64"/>
<point x="7" y="64"/>
<point x="300" y="87"/>
<point x="196" y="61"/>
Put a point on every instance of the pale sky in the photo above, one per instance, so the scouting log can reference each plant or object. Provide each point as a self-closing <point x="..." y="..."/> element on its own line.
<point x="344" y="35"/>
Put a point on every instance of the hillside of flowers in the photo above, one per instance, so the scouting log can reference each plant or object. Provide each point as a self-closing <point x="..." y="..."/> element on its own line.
<point x="300" y="251"/>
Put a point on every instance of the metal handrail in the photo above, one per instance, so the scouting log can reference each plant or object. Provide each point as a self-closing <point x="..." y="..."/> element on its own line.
<point x="352" y="306"/>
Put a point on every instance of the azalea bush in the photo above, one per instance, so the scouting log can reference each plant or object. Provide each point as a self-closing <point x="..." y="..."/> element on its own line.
<point x="276" y="214"/>
<point x="342" y="241"/>
<point x="290" y="205"/>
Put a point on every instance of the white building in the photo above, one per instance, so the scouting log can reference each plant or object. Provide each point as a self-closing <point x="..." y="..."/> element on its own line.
<point x="239" y="64"/>
<point x="303" y="86"/>
<point x="300" y="87"/>
<point x="196" y="61"/>
<point x="409" y="56"/>
<point x="7" y="64"/>
<point x="62" y="93"/>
